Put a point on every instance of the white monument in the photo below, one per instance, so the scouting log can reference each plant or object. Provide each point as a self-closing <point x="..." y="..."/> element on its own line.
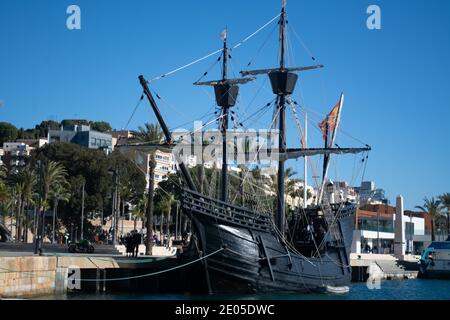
<point x="399" y="228"/>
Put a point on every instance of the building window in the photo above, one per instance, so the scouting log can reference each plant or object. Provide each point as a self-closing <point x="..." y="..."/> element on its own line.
<point x="409" y="229"/>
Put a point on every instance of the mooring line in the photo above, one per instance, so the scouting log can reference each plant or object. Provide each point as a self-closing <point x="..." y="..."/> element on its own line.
<point x="128" y="278"/>
<point x="109" y="259"/>
<point x="158" y="272"/>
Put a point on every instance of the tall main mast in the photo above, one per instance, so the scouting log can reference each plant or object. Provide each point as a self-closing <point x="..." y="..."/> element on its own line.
<point x="280" y="217"/>
<point x="283" y="81"/>
<point x="224" y="126"/>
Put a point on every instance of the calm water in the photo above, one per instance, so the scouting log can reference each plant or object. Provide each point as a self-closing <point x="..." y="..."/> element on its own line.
<point x="416" y="289"/>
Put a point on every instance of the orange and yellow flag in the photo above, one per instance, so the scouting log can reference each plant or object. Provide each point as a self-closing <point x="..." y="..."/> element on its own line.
<point x="331" y="119"/>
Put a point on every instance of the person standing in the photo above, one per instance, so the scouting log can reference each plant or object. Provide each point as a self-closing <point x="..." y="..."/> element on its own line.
<point x="137" y="238"/>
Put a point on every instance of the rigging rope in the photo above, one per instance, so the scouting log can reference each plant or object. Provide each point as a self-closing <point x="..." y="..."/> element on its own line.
<point x="254" y="160"/>
<point x="213" y="53"/>
<point x="134" y="111"/>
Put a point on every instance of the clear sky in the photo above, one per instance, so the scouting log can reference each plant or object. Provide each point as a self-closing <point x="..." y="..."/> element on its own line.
<point x="396" y="79"/>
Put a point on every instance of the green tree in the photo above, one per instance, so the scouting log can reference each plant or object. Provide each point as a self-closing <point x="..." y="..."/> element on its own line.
<point x="26" y="134"/>
<point x="51" y="174"/>
<point x="138" y="211"/>
<point x="295" y="192"/>
<point x="41" y="130"/>
<point x="433" y="208"/>
<point x="8" y="132"/>
<point x="101" y="126"/>
<point x="23" y="182"/>
<point x="165" y="207"/>
<point x="67" y="122"/>
<point x="59" y="192"/>
<point x="4" y="193"/>
<point x="150" y="133"/>
<point x="445" y="202"/>
<point x="95" y="167"/>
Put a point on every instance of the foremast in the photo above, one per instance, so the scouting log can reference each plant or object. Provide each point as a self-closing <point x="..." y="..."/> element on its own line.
<point x="226" y="92"/>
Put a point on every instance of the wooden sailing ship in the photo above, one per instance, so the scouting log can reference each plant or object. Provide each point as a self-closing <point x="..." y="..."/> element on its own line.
<point x="254" y="253"/>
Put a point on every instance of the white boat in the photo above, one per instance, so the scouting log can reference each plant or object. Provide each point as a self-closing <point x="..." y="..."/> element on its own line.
<point x="435" y="260"/>
<point x="337" y="290"/>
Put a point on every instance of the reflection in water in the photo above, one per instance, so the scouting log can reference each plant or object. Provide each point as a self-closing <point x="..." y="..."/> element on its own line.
<point x="417" y="289"/>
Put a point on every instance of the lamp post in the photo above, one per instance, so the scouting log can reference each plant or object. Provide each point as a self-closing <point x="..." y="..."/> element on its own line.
<point x="176" y="221"/>
<point x="114" y="173"/>
<point x="82" y="210"/>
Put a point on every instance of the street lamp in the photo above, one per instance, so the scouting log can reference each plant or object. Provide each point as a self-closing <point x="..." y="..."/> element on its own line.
<point x="115" y="175"/>
<point x="82" y="210"/>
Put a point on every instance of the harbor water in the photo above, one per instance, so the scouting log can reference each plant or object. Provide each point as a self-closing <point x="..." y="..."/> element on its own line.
<point x="417" y="289"/>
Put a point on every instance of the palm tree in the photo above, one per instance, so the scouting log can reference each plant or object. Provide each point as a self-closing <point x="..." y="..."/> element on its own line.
<point x="445" y="202"/>
<point x="59" y="192"/>
<point x="288" y="174"/>
<point x="433" y="208"/>
<point x="138" y="211"/>
<point x="165" y="206"/>
<point x="4" y="196"/>
<point x="28" y="194"/>
<point x="23" y="181"/>
<point x="150" y="133"/>
<point x="51" y="174"/>
<point x="295" y="192"/>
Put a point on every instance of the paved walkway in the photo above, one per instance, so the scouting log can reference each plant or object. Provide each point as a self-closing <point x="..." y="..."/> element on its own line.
<point x="9" y="249"/>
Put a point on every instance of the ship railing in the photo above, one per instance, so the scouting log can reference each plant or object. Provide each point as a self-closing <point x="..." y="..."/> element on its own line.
<point x="226" y="211"/>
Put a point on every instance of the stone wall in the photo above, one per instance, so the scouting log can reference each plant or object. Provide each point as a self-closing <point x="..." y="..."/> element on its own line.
<point x="27" y="276"/>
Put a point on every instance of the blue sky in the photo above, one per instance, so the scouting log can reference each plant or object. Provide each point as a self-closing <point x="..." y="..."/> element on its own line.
<point x="395" y="79"/>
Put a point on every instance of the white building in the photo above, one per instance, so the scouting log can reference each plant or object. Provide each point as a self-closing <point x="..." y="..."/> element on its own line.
<point x="376" y="228"/>
<point x="165" y="165"/>
<point x="34" y="143"/>
<point x="344" y="192"/>
<point x="368" y="193"/>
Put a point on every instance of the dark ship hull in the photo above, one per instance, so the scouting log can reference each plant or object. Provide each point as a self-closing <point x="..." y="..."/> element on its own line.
<point x="255" y="258"/>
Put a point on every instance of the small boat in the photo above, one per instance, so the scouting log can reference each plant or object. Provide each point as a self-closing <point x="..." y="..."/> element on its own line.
<point x="337" y="290"/>
<point x="435" y="260"/>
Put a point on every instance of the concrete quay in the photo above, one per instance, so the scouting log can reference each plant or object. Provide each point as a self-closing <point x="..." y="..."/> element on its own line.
<point x="383" y="267"/>
<point x="23" y="274"/>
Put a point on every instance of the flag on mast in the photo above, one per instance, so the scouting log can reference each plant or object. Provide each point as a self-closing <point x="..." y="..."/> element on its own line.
<point x="223" y="35"/>
<point x="331" y="119"/>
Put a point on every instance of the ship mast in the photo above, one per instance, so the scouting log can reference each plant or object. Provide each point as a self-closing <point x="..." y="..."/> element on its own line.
<point x="226" y="92"/>
<point x="224" y="126"/>
<point x="283" y="80"/>
<point x="280" y="217"/>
